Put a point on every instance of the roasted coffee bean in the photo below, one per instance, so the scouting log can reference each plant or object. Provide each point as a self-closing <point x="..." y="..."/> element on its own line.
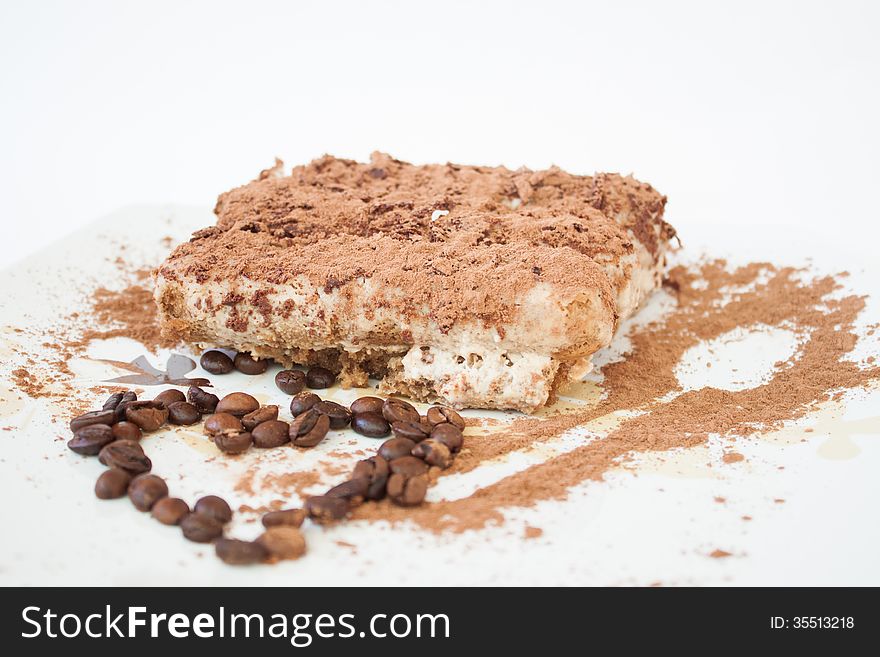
<point x="408" y="466"/>
<point x="441" y="414"/>
<point x="127" y="431"/>
<point x="287" y="517"/>
<point x="407" y="491"/>
<point x="370" y="424"/>
<point x="319" y="378"/>
<point x="366" y="405"/>
<point x="395" y="448"/>
<point x="309" y="428"/>
<point x="145" y="490"/>
<point x="168" y="397"/>
<point x="216" y="362"/>
<point x="247" y="364"/>
<point x="353" y="490"/>
<point x="128" y="397"/>
<point x="397" y="410"/>
<point x="302" y="402"/>
<point x="273" y="433"/>
<point x="92" y="417"/>
<point x="234" y="443"/>
<point x="214" y="507"/>
<point x="112" y="483"/>
<point x="237" y="404"/>
<point x="290" y="382"/>
<point x="449" y="435"/>
<point x="240" y="553"/>
<point x="222" y="423"/>
<point x="375" y="469"/>
<point x="323" y="509"/>
<point x="184" y="413"/>
<point x="148" y="415"/>
<point x="206" y="402"/>
<point x="433" y="452"/>
<point x="91" y="439"/>
<point x="126" y="455"/>
<point x="200" y="528"/>
<point x="339" y="415"/>
<point x="258" y="416"/>
<point x="283" y="543"/>
<point x="170" y="510"/>
<point x="112" y="401"/>
<point x="415" y="431"/>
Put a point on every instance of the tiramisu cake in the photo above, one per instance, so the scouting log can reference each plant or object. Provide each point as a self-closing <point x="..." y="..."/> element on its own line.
<point x="471" y="286"/>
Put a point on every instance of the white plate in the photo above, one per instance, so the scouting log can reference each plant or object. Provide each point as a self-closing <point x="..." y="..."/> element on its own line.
<point x="655" y="524"/>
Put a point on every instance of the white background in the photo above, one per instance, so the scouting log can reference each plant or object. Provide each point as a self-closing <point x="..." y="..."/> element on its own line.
<point x="747" y="114"/>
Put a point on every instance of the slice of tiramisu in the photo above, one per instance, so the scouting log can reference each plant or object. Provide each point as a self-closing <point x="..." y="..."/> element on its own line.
<point x="471" y="286"/>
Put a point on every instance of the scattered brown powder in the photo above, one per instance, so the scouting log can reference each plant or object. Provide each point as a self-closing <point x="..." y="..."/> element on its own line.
<point x="720" y="554"/>
<point x="732" y="457"/>
<point x="532" y="532"/>
<point x="131" y="313"/>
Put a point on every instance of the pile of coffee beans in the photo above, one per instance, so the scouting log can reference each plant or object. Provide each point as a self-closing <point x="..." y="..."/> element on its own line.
<point x="113" y="434"/>
<point x="417" y="448"/>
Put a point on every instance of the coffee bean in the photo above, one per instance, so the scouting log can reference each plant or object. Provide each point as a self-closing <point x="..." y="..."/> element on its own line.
<point x="240" y="553"/>
<point x="366" y="405"/>
<point x="89" y="440"/>
<point x="200" y="528"/>
<point x="148" y="415"/>
<point x="370" y="424"/>
<point x="290" y="382"/>
<point x="170" y="510"/>
<point x="214" y="507"/>
<point x="309" y="428"/>
<point x="408" y="466"/>
<point x="258" y="416"/>
<point x="353" y="490"/>
<point x="339" y="415"/>
<point x="415" y="431"/>
<point x="92" y="417"/>
<point x="375" y="469"/>
<point x="283" y="543"/>
<point x="126" y="455"/>
<point x="449" y="435"/>
<point x="234" y="443"/>
<point x="441" y="414"/>
<point x="112" y="484"/>
<point x="216" y="362"/>
<point x="319" y="378"/>
<point x="204" y="401"/>
<point x="184" y="413"/>
<point x="168" y="397"/>
<point x="397" y="410"/>
<point x="407" y="491"/>
<point x="237" y="404"/>
<point x="396" y="447"/>
<point x="128" y="397"/>
<point x="145" y="490"/>
<point x="433" y="452"/>
<point x="273" y="433"/>
<point x="323" y="509"/>
<point x="303" y="402"/>
<point x="222" y="423"/>
<point x="112" y="401"/>
<point x="287" y="517"/>
<point x="127" y="431"/>
<point x="247" y="364"/>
